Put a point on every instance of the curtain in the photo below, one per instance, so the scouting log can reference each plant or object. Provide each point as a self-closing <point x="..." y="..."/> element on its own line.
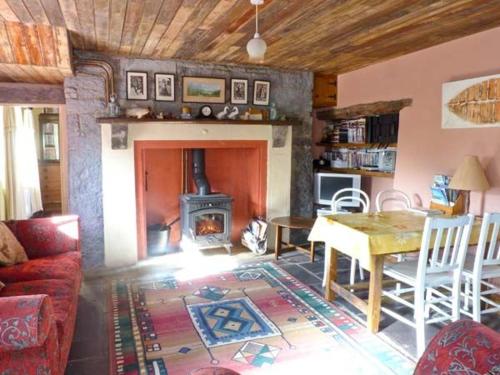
<point x="19" y="177"/>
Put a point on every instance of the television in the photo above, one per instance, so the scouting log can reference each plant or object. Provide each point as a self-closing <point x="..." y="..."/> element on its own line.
<point x="327" y="184"/>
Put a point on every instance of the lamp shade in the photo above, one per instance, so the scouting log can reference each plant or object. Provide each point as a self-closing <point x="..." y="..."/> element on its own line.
<point x="256" y="48"/>
<point x="470" y="176"/>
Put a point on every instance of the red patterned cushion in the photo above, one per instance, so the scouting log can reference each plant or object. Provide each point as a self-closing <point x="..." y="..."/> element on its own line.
<point x="47" y="236"/>
<point x="463" y="347"/>
<point x="62" y="266"/>
<point x="64" y="300"/>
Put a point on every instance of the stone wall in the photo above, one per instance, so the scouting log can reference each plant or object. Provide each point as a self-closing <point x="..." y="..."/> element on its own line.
<point x="291" y="91"/>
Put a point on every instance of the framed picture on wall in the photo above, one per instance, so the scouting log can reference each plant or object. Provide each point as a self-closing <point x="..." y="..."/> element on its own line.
<point x="261" y="92"/>
<point x="164" y="87"/>
<point x="203" y="90"/>
<point x="119" y="137"/>
<point x="239" y="91"/>
<point x="137" y="86"/>
<point x="49" y="136"/>
<point x="471" y="103"/>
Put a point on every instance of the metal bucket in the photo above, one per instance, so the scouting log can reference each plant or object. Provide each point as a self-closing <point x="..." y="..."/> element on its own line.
<point x="158" y="237"/>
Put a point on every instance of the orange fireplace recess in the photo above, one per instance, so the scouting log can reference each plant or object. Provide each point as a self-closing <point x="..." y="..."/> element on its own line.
<point x="235" y="168"/>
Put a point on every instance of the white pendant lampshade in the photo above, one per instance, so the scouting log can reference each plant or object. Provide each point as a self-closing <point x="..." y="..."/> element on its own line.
<point x="256" y="48"/>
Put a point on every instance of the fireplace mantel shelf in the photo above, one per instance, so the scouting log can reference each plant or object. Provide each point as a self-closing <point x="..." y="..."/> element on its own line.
<point x="130" y="120"/>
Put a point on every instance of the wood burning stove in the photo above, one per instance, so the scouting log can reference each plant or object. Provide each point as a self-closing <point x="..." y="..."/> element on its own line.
<point x="205" y="216"/>
<point x="206" y="221"/>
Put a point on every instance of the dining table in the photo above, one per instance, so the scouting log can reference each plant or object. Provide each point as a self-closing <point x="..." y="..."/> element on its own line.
<point x="369" y="238"/>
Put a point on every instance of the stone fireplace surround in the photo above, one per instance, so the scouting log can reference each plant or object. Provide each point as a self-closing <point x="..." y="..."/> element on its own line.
<point x="118" y="175"/>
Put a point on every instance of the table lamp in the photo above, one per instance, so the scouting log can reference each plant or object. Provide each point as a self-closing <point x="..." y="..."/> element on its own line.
<point x="469" y="177"/>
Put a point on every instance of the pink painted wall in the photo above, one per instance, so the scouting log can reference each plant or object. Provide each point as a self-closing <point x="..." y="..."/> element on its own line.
<point x="424" y="149"/>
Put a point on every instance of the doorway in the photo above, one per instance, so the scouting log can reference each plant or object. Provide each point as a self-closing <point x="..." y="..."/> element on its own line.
<point x="33" y="166"/>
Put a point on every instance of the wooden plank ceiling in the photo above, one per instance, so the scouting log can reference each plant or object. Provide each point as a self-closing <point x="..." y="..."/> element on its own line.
<point x="33" y="53"/>
<point x="331" y="36"/>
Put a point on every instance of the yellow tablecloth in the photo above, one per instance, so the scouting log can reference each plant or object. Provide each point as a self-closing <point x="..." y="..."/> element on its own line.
<point x="362" y="235"/>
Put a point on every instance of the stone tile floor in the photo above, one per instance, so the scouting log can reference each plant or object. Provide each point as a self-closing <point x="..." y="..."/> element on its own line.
<point x="89" y="352"/>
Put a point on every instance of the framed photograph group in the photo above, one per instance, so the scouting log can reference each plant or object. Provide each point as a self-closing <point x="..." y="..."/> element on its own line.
<point x="197" y="89"/>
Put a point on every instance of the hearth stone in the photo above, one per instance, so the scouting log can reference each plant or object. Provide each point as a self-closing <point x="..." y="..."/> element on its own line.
<point x="206" y="221"/>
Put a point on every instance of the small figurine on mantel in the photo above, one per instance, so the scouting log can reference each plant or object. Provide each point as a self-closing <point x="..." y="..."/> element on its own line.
<point x="222" y="115"/>
<point x="186" y="113"/>
<point x="113" y="106"/>
<point x="233" y="115"/>
<point x="137" y="112"/>
<point x="273" y="113"/>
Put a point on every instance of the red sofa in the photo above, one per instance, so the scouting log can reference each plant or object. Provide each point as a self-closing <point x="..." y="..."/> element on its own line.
<point x="38" y="304"/>
<point x="463" y="347"/>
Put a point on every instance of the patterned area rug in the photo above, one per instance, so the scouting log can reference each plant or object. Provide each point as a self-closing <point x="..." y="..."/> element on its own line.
<point x="254" y="320"/>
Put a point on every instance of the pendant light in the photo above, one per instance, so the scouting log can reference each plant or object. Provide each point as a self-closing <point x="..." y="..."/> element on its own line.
<point x="256" y="47"/>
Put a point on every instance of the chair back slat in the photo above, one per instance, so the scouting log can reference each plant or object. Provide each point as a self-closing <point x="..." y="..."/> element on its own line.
<point x="451" y="257"/>
<point x="347" y="194"/>
<point x="488" y="247"/>
<point x="437" y="247"/>
<point x="447" y="245"/>
<point x="338" y="203"/>
<point x="458" y="237"/>
<point x="493" y="243"/>
<point x="391" y="195"/>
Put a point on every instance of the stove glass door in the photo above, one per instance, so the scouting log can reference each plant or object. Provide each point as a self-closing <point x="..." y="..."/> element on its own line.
<point x="208" y="224"/>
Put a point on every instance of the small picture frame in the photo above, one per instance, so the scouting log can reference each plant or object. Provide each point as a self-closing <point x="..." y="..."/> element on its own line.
<point x="164" y="87"/>
<point x="239" y="91"/>
<point x="137" y="86"/>
<point x="261" y="92"/>
<point x="119" y="137"/>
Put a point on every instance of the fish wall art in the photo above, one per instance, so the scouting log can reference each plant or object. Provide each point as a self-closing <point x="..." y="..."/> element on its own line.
<point x="471" y="103"/>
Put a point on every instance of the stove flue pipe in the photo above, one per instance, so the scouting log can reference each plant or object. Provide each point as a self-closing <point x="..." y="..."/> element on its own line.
<point x="199" y="177"/>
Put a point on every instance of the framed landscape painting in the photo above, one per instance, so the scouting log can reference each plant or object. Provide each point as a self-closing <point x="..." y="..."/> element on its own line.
<point x="203" y="90"/>
<point x="471" y="103"/>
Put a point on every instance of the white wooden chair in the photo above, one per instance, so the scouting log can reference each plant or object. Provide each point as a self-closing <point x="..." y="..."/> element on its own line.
<point x="397" y="197"/>
<point x="448" y="238"/>
<point x="484" y="265"/>
<point x="392" y="195"/>
<point x="340" y="196"/>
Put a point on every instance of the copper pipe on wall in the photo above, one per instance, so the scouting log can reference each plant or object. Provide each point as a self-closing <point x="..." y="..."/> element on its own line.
<point x="106" y="68"/>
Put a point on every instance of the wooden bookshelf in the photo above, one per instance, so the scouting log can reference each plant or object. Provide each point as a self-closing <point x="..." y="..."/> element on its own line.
<point x="356" y="145"/>
<point x="358" y="171"/>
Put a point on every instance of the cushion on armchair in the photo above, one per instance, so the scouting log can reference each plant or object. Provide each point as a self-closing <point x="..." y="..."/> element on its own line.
<point x="11" y="251"/>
